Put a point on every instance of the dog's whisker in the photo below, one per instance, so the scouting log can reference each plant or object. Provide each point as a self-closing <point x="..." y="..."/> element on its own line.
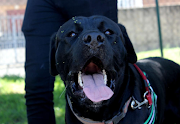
<point x="63" y="91"/>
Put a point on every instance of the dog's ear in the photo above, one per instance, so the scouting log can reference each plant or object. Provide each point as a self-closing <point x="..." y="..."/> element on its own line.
<point x="131" y="55"/>
<point x="52" y="61"/>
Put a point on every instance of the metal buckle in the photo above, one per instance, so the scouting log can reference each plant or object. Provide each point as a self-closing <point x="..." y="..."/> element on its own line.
<point x="135" y="104"/>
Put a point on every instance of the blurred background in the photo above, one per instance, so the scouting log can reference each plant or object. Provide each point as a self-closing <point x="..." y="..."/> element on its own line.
<point x="150" y="27"/>
<point x="12" y="43"/>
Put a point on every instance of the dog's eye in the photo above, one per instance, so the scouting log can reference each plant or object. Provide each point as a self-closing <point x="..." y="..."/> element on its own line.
<point x="108" y="32"/>
<point x="71" y="34"/>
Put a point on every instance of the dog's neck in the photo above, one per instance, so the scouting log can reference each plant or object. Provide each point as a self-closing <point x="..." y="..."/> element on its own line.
<point x="114" y="120"/>
<point x="133" y="88"/>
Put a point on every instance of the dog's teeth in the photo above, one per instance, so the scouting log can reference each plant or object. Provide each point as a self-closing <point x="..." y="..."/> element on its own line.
<point x="80" y="79"/>
<point x="104" y="76"/>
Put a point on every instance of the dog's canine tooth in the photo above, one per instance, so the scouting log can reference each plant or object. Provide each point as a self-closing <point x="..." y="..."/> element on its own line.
<point x="80" y="79"/>
<point x="104" y="76"/>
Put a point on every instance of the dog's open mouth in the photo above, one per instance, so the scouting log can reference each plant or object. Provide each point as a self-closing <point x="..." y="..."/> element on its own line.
<point x="94" y="82"/>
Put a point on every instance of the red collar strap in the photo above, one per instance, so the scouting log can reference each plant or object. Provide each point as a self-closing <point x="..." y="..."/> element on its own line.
<point x="147" y="84"/>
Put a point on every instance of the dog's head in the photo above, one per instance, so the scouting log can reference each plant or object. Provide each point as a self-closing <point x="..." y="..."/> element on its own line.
<point x="90" y="54"/>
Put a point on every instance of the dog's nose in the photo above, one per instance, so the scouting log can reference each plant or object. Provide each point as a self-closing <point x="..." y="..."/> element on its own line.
<point x="93" y="39"/>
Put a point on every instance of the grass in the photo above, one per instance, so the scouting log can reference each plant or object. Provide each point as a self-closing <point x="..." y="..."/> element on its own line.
<point x="59" y="101"/>
<point x="12" y="102"/>
<point x="169" y="53"/>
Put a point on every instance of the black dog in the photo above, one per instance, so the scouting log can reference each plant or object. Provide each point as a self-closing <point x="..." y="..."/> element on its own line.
<point x="95" y="59"/>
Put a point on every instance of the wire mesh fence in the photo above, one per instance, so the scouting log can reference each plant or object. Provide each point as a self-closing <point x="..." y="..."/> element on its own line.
<point x="138" y="16"/>
<point x="12" y="43"/>
<point x="11" y="39"/>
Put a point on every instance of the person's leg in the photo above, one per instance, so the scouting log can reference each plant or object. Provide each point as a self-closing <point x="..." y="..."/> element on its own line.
<point x="40" y="22"/>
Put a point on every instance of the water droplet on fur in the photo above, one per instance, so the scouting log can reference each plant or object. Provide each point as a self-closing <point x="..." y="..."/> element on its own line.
<point x="73" y="18"/>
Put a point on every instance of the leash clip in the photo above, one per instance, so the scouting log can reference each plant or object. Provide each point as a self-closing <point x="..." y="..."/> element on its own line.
<point x="135" y="104"/>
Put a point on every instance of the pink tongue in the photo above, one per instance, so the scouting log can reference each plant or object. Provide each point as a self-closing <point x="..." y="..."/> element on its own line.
<point x="95" y="89"/>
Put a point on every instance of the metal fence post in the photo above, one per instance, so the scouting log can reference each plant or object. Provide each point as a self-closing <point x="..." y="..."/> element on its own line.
<point x="159" y="28"/>
<point x="14" y="33"/>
